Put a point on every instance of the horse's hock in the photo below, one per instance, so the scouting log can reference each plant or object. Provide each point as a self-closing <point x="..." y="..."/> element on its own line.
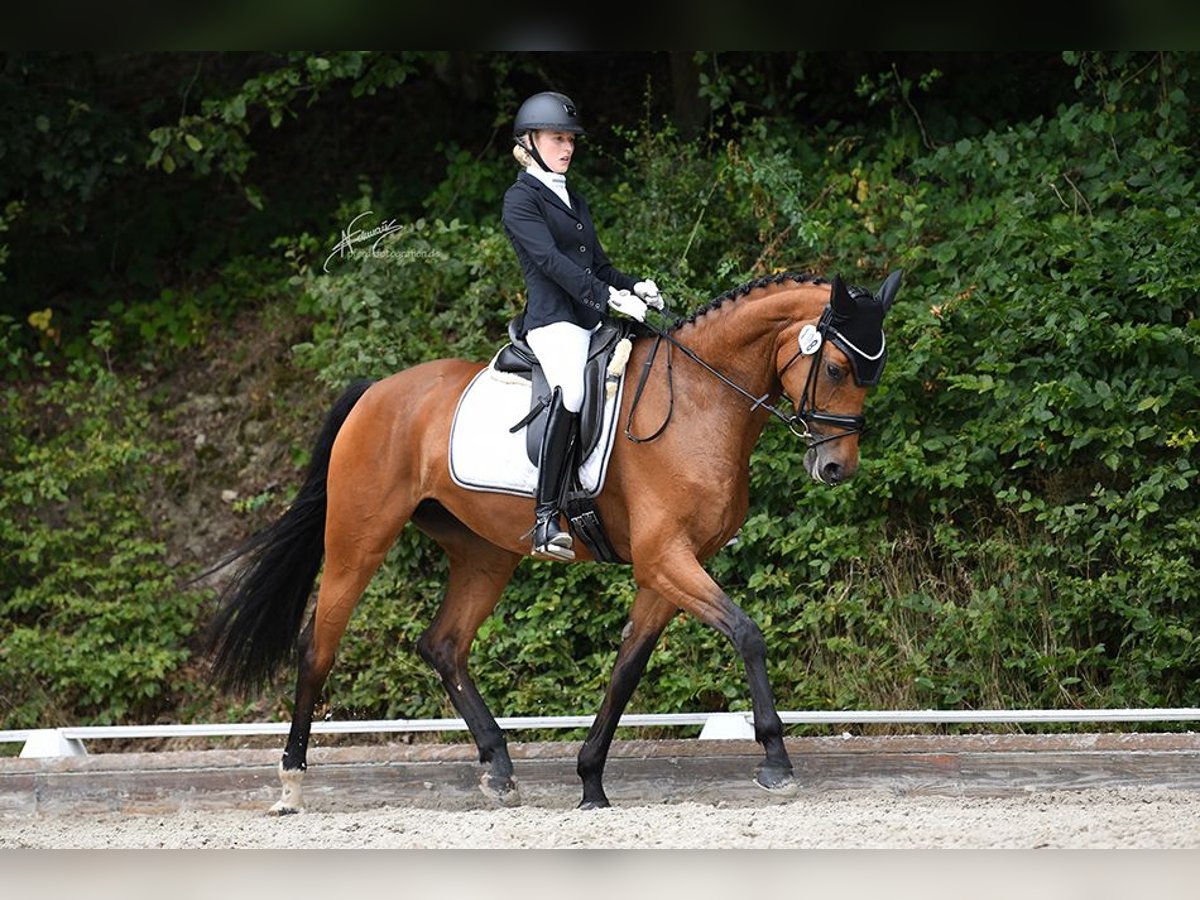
<point x="446" y="776"/>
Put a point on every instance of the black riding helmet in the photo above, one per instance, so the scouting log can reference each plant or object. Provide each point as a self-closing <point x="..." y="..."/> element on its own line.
<point x="547" y="111"/>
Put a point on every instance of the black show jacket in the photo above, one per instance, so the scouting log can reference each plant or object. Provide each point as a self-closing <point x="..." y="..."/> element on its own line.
<point x="566" y="271"/>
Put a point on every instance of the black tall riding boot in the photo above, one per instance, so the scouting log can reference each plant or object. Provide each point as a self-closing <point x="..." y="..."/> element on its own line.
<point x="554" y="462"/>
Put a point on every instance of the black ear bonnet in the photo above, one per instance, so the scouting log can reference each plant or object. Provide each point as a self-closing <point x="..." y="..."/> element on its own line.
<point x="855" y="326"/>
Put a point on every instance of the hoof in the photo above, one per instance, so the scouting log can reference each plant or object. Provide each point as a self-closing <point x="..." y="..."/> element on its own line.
<point x="292" y="800"/>
<point x="776" y="781"/>
<point x="501" y="790"/>
<point x="602" y="803"/>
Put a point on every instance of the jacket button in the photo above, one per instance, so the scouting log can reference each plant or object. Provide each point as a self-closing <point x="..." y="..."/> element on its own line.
<point x="582" y="249"/>
<point x="579" y="226"/>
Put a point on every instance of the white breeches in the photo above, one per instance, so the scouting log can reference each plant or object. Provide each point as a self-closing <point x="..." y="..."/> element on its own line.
<point x="562" y="349"/>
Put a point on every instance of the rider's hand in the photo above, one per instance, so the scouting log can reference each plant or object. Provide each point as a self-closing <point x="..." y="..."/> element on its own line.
<point x="648" y="291"/>
<point x="626" y="303"/>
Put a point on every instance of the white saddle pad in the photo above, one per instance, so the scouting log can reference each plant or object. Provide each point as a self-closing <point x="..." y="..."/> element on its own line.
<point x="486" y="456"/>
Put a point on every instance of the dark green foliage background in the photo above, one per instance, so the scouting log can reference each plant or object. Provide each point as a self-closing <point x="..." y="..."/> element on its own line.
<point x="1025" y="528"/>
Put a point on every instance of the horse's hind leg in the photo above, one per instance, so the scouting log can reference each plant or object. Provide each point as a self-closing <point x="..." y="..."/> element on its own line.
<point x="479" y="572"/>
<point x="342" y="585"/>
<point x="360" y="529"/>
<point x="647" y="619"/>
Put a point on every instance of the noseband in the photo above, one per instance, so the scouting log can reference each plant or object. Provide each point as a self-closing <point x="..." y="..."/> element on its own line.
<point x="799" y="423"/>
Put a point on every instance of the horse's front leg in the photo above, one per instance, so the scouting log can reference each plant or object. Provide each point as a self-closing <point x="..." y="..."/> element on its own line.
<point x="648" y="617"/>
<point x="679" y="578"/>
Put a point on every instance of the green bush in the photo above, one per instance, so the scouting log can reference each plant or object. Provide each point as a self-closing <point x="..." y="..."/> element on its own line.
<point x="93" y="626"/>
<point x="1024" y="527"/>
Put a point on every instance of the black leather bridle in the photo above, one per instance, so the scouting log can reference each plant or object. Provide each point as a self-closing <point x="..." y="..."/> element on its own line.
<point x="807" y="414"/>
<point x="800" y="423"/>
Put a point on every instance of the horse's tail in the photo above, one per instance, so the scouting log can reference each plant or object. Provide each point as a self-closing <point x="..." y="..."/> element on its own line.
<point x="262" y="606"/>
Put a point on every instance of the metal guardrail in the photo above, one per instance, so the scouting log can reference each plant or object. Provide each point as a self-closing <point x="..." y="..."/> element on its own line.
<point x="68" y="741"/>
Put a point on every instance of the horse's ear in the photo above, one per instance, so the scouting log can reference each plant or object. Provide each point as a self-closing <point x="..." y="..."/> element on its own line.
<point x="840" y="300"/>
<point x="887" y="292"/>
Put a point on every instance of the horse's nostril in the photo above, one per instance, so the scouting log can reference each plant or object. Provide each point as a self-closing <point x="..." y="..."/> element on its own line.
<point x="831" y="473"/>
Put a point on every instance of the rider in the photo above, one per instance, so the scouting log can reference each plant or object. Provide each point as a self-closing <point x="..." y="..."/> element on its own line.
<point x="569" y="287"/>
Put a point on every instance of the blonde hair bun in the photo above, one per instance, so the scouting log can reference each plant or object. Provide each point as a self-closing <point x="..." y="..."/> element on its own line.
<point x="521" y="155"/>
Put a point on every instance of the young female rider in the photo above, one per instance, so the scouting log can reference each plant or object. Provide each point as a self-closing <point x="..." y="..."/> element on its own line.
<point x="569" y="287"/>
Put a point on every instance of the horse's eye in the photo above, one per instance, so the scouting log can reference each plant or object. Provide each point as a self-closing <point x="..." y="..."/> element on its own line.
<point x="834" y="371"/>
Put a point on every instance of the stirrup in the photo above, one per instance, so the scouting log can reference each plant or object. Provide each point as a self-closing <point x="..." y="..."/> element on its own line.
<point x="553" y="552"/>
<point x="550" y="542"/>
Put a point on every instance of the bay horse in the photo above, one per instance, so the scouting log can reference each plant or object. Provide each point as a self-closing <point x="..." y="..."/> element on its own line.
<point x="668" y="503"/>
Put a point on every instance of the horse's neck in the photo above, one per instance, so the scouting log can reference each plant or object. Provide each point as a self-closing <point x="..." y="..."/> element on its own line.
<point x="740" y="337"/>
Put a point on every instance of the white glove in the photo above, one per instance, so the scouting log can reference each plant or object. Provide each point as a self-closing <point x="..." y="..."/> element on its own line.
<point x="626" y="303"/>
<point x="648" y="291"/>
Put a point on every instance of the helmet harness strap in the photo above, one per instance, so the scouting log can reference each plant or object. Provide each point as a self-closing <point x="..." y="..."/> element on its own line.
<point x="533" y="151"/>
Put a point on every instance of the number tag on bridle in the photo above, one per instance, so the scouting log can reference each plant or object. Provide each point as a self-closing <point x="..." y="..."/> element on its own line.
<point x="810" y="340"/>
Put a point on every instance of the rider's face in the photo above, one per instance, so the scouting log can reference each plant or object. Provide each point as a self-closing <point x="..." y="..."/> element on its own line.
<point x="556" y="148"/>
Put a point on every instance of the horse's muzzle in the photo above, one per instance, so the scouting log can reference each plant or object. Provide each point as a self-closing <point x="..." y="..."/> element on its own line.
<point x="827" y="468"/>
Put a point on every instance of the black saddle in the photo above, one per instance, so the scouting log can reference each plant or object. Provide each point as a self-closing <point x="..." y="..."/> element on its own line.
<point x="519" y="359"/>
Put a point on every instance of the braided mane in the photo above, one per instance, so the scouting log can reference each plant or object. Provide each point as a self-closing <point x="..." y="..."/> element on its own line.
<point x="749" y="287"/>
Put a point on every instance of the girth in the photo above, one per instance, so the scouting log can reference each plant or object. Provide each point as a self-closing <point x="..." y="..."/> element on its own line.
<point x="518" y="358"/>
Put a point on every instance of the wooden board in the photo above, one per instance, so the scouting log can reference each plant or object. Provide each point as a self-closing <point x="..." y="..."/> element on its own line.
<point x="639" y="772"/>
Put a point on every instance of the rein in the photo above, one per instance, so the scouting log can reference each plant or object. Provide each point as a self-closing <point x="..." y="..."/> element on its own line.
<point x="798" y="423"/>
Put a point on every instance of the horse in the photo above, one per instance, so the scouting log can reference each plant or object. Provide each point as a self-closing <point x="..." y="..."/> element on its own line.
<point x="670" y="500"/>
